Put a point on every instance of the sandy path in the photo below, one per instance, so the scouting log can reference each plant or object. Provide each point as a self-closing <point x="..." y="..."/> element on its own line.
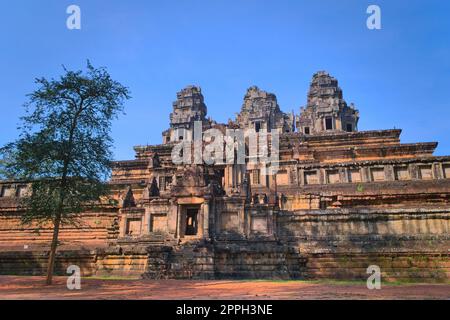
<point x="13" y="287"/>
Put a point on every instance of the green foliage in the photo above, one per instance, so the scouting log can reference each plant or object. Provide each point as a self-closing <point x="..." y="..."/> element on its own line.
<point x="64" y="149"/>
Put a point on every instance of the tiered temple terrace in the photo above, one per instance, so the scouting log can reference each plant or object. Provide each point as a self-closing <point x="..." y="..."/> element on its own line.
<point x="342" y="200"/>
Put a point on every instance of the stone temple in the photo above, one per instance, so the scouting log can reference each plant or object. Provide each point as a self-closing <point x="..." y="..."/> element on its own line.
<point x="341" y="201"/>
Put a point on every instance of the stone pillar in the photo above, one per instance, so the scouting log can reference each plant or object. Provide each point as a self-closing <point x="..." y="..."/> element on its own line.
<point x="301" y="177"/>
<point x="233" y="176"/>
<point x="272" y="188"/>
<point x="179" y="222"/>
<point x="241" y="220"/>
<point x="322" y="176"/>
<point x="365" y="174"/>
<point x="244" y="173"/>
<point x="228" y="174"/>
<point x="389" y="172"/>
<point x="438" y="171"/>
<point x="122" y="225"/>
<point x="205" y="219"/>
<point x="338" y="124"/>
<point x="346" y="173"/>
<point x="172" y="219"/>
<point x="246" y="221"/>
<point x="413" y="171"/>
<point x="343" y="175"/>
<point x="217" y="223"/>
<point x="270" y="222"/>
<point x="146" y="222"/>
<point x="294" y="177"/>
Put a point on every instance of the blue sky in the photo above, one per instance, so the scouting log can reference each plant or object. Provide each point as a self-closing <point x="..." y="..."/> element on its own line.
<point x="397" y="77"/>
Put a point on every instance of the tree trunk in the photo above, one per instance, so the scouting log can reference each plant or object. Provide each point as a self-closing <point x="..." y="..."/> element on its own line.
<point x="57" y="222"/>
<point x="52" y="256"/>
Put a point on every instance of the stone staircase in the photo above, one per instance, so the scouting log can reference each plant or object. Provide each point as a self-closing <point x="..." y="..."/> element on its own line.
<point x="244" y="260"/>
<point x="257" y="260"/>
<point x="192" y="261"/>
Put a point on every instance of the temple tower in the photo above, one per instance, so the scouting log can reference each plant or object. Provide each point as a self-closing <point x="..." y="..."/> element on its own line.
<point x="188" y="108"/>
<point x="260" y="111"/>
<point x="326" y="110"/>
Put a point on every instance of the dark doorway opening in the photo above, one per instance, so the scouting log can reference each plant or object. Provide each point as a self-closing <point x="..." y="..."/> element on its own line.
<point x="328" y="123"/>
<point x="257" y="126"/>
<point x="349" y="127"/>
<point x="221" y="177"/>
<point x="191" y="222"/>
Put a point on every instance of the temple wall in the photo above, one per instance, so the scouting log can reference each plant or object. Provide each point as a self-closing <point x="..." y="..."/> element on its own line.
<point x="401" y="266"/>
<point x="91" y="230"/>
<point x="342" y="200"/>
<point x="128" y="264"/>
<point x="405" y="244"/>
<point x="364" y="223"/>
<point x="34" y="262"/>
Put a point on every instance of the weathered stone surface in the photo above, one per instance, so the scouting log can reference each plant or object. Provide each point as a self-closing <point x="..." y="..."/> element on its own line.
<point x="341" y="201"/>
<point x="260" y="111"/>
<point x="188" y="108"/>
<point x="326" y="110"/>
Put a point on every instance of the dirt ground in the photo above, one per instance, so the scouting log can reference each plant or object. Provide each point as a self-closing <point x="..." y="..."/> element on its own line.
<point x="14" y="287"/>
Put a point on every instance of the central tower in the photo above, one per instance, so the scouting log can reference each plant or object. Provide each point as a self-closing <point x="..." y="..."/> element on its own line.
<point x="188" y="108"/>
<point x="260" y="111"/>
<point x="326" y="110"/>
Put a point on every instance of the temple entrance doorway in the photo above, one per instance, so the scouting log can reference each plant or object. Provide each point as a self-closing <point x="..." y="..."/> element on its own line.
<point x="191" y="222"/>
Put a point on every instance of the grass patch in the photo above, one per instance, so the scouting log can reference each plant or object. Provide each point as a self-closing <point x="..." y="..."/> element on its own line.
<point x="106" y="277"/>
<point x="339" y="282"/>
